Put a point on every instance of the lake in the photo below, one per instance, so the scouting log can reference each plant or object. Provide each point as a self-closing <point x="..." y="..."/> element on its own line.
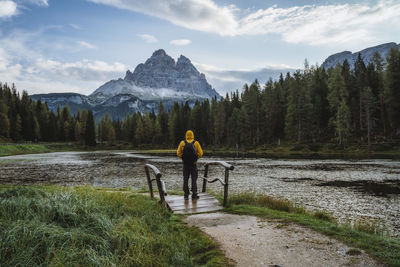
<point x="348" y="189"/>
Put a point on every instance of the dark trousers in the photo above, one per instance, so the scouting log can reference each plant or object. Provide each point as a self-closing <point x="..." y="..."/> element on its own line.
<point x="190" y="170"/>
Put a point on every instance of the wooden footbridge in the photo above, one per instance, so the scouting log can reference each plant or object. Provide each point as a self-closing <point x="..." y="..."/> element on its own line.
<point x="177" y="204"/>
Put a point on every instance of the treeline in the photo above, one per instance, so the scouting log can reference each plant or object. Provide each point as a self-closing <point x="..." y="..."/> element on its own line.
<point x="22" y="119"/>
<point x="358" y="104"/>
<point x="346" y="104"/>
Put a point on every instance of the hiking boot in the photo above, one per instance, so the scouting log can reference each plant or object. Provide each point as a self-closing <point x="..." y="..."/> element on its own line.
<point x="186" y="197"/>
<point x="194" y="197"/>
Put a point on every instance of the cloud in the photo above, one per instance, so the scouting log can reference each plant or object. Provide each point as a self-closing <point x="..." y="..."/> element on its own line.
<point x="75" y="26"/>
<point x="148" y="38"/>
<point x="24" y="64"/>
<point x="86" y="45"/>
<point x="310" y="24"/>
<point x="325" y="24"/>
<point x="228" y="80"/>
<point x="202" y="15"/>
<point x="180" y="42"/>
<point x="39" y="2"/>
<point x="83" y="70"/>
<point x="7" y="9"/>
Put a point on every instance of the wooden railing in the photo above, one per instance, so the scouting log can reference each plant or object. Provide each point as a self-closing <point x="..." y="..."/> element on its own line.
<point x="160" y="184"/>
<point x="228" y="167"/>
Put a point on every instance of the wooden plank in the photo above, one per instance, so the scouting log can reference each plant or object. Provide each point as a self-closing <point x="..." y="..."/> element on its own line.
<point x="205" y="209"/>
<point x="200" y="194"/>
<point x="205" y="203"/>
<point x="172" y="199"/>
<point x="190" y="204"/>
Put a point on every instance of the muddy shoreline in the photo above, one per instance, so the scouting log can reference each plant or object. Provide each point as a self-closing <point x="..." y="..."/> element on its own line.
<point x="351" y="190"/>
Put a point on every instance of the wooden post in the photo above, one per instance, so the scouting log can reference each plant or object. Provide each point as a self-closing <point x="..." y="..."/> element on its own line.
<point x="163" y="188"/>
<point x="205" y="181"/>
<point x="160" y="189"/>
<point x="226" y="186"/>
<point x="149" y="182"/>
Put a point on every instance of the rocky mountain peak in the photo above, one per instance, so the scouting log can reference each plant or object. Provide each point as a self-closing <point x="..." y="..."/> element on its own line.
<point x="159" y="78"/>
<point x="159" y="53"/>
<point x="183" y="60"/>
<point x="128" y="75"/>
<point x="185" y="66"/>
<point x="366" y="55"/>
<point x="160" y="58"/>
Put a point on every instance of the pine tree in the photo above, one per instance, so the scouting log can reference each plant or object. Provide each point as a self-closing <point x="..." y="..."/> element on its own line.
<point x="342" y="122"/>
<point x="234" y="128"/>
<point x="106" y="130"/>
<point x="360" y="72"/>
<point x="4" y="121"/>
<point x="219" y="123"/>
<point x="175" y="125"/>
<point x="206" y="123"/>
<point x="392" y="89"/>
<point x="148" y="128"/>
<point x="252" y="105"/>
<point x="299" y="115"/>
<point x="337" y="98"/>
<point x="319" y="92"/>
<point x="163" y="123"/>
<point x="185" y="116"/>
<point x="36" y="130"/>
<point x="379" y="70"/>
<point x="17" y="136"/>
<point x="196" y="121"/>
<point x="369" y="103"/>
<point x="90" y="130"/>
<point x="140" y="133"/>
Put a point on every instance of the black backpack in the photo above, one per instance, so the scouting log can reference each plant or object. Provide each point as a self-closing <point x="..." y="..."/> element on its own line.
<point x="189" y="155"/>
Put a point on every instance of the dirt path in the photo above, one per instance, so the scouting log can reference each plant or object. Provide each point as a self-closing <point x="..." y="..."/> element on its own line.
<point x="251" y="241"/>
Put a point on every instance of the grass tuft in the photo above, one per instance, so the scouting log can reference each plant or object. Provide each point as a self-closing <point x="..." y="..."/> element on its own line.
<point x="353" y="251"/>
<point x="56" y="226"/>
<point x="250" y="198"/>
<point x="368" y="225"/>
<point x="323" y="215"/>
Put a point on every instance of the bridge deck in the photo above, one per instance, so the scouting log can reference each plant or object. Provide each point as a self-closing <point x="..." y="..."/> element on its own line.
<point x="205" y="203"/>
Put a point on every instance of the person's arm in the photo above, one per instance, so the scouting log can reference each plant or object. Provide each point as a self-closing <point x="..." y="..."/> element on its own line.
<point x="179" y="152"/>
<point x="198" y="150"/>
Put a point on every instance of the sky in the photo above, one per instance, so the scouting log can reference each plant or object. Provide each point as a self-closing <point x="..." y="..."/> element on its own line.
<point x="49" y="46"/>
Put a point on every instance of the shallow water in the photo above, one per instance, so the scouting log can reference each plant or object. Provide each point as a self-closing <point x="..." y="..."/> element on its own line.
<point x="349" y="189"/>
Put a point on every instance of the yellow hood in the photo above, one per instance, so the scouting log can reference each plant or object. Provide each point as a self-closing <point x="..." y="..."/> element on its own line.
<point x="189" y="136"/>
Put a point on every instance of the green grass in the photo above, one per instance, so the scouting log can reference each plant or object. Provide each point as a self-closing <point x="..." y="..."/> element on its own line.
<point x="56" y="226"/>
<point x="383" y="248"/>
<point x="313" y="150"/>
<point x="285" y="150"/>
<point x="13" y="149"/>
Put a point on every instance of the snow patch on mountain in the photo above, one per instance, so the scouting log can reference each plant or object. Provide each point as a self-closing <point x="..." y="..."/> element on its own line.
<point x="159" y="78"/>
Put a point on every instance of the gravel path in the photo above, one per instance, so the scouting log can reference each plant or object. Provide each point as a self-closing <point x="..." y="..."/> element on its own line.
<point x="251" y="241"/>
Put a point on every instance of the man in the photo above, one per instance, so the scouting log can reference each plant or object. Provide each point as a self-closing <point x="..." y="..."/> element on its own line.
<point x="189" y="151"/>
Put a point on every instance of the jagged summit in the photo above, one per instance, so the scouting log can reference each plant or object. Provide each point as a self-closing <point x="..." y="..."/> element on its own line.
<point x="366" y="55"/>
<point x="159" y="53"/>
<point x="159" y="78"/>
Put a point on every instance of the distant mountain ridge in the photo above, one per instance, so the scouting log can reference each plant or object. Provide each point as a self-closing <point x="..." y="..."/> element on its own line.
<point x="160" y="78"/>
<point x="366" y="55"/>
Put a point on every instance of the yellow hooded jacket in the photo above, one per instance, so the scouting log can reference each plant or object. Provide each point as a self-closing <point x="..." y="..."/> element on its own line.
<point x="189" y="139"/>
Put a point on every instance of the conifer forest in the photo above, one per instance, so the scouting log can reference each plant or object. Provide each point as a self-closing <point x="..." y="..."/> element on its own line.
<point x="357" y="104"/>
